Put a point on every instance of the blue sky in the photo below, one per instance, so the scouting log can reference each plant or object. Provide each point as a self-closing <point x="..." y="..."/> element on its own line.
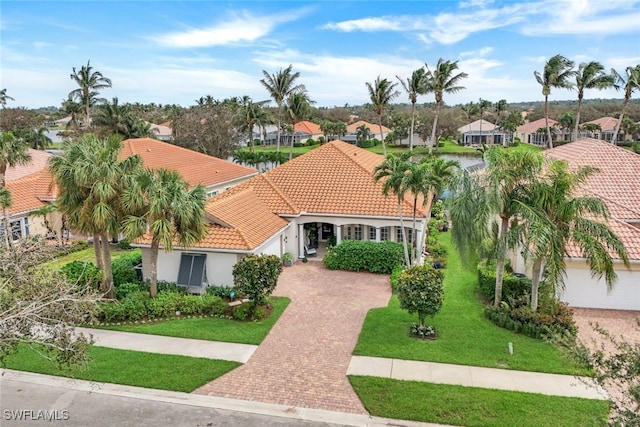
<point x="177" y="51"/>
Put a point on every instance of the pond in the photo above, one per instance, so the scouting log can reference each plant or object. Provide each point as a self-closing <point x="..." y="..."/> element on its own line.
<point x="465" y="160"/>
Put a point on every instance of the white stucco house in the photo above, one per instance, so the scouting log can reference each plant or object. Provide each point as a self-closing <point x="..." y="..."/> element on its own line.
<point x="327" y="193"/>
<point x="617" y="183"/>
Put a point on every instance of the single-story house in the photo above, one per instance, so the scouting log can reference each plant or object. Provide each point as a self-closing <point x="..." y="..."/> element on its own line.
<point x="328" y="193"/>
<point x="374" y="131"/>
<point x="309" y="128"/>
<point x="617" y="183"/>
<point x="481" y="132"/>
<point x="607" y="128"/>
<point x="161" y="132"/>
<point x="533" y="132"/>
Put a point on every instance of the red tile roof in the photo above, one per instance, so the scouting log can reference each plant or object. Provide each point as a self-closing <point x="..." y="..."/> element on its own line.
<point x="535" y="125"/>
<point x="606" y="123"/>
<point x="617" y="183"/>
<point x="196" y="168"/>
<point x="38" y="162"/>
<point x="26" y="193"/>
<point x="307" y="127"/>
<point x="374" y="129"/>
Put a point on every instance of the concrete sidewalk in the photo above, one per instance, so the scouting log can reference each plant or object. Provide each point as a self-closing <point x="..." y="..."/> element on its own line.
<point x="169" y="345"/>
<point x="475" y="376"/>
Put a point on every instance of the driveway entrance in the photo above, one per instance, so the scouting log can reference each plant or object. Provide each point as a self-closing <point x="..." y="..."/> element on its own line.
<point x="304" y="359"/>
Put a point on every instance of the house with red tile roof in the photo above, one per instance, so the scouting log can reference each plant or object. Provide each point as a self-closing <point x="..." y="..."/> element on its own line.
<point x="607" y="128"/>
<point x="533" y="132"/>
<point x="481" y="132"/>
<point x="328" y="193"/>
<point x="374" y="131"/>
<point x="617" y="183"/>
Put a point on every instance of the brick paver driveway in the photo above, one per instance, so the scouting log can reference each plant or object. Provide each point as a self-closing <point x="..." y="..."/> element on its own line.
<point x="304" y="359"/>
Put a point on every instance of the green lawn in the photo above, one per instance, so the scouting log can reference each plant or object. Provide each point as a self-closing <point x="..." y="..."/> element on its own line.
<point x="87" y="255"/>
<point x="466" y="406"/>
<point x="150" y="370"/>
<point x="213" y="328"/>
<point x="465" y="336"/>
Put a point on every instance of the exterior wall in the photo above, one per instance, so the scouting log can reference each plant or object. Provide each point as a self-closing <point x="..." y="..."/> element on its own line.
<point x="219" y="266"/>
<point x="212" y="190"/>
<point x="581" y="290"/>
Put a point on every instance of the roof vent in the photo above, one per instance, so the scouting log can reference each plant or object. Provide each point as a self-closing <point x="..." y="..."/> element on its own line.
<point x="149" y="149"/>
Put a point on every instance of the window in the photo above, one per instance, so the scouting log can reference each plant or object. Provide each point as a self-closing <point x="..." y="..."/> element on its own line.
<point x="357" y="231"/>
<point x="384" y="234"/>
<point x="347" y="233"/>
<point x="192" y="270"/>
<point x="408" y="231"/>
<point x="372" y="233"/>
<point x="18" y="229"/>
<point x="212" y="193"/>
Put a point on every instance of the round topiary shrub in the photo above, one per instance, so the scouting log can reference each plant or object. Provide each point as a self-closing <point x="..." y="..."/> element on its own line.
<point x="420" y="291"/>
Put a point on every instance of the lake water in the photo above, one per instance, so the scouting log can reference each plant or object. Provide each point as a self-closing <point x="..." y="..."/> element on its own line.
<point x="464" y="160"/>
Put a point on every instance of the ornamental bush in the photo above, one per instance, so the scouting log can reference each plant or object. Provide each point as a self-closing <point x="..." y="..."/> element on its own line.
<point x="513" y="287"/>
<point x="363" y="255"/>
<point x="83" y="274"/>
<point x="257" y="276"/>
<point x="123" y="268"/>
<point x="420" y="291"/>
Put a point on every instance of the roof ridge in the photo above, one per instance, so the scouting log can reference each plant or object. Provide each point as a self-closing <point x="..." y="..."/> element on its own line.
<point x="280" y="193"/>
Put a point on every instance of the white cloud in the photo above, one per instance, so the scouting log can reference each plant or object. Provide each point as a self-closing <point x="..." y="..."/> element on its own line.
<point x="238" y="28"/>
<point x="477" y="53"/>
<point x="369" y="24"/>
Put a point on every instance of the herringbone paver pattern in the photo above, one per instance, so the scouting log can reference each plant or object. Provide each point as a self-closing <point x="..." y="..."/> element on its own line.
<point x="304" y="359"/>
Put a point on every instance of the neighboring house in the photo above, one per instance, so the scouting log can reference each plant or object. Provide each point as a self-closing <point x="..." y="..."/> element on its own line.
<point x="30" y="191"/>
<point x="481" y="132"/>
<point x="309" y="128"/>
<point x="196" y="168"/>
<point x="617" y="183"/>
<point x="327" y="193"/>
<point x="161" y="132"/>
<point x="608" y="127"/>
<point x="533" y="132"/>
<point x="374" y="131"/>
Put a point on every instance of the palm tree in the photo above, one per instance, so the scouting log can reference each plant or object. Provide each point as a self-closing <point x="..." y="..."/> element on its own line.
<point x="297" y="108"/>
<point x="44" y="212"/>
<point x="89" y="82"/>
<point x="494" y="193"/>
<point x="629" y="83"/>
<point x="91" y="179"/>
<point x="5" y="203"/>
<point x="483" y="105"/>
<point x="114" y="118"/>
<point x="159" y="202"/>
<point x="590" y="75"/>
<point x="440" y="81"/>
<point x="280" y="85"/>
<point x="470" y="110"/>
<point x="37" y="139"/>
<point x="4" y="97"/>
<point x="393" y="170"/>
<point x="414" y="86"/>
<point x="381" y="93"/>
<point x="362" y="133"/>
<point x="500" y="107"/>
<point x="556" y="74"/>
<point x="250" y="114"/>
<point x="141" y="129"/>
<point x="13" y="152"/>
<point x="566" y="121"/>
<point x="554" y="218"/>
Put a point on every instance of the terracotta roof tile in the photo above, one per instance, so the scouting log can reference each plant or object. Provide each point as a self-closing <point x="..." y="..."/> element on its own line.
<point x="476" y="126"/>
<point x="535" y="125"/>
<point x="38" y="162"/>
<point x="24" y="193"/>
<point x="307" y="127"/>
<point x="196" y="168"/>
<point x="374" y="129"/>
<point x="606" y="123"/>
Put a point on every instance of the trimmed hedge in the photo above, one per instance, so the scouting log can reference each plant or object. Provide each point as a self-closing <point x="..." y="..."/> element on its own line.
<point x="362" y="255"/>
<point x="512" y="287"/>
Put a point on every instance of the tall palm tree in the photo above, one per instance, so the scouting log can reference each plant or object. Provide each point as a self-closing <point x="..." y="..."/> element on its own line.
<point x="554" y="217"/>
<point x="499" y="108"/>
<point x="89" y="82"/>
<point x="557" y="73"/>
<point x="13" y="152"/>
<point x="470" y="110"/>
<point x="37" y="139"/>
<point x="442" y="80"/>
<point x="4" y="97"/>
<point x="159" y="202"/>
<point x="298" y="107"/>
<point x="249" y="115"/>
<point x="414" y="86"/>
<point x="280" y="85"/>
<point x="381" y="93"/>
<point x="115" y="118"/>
<point x="495" y="193"/>
<point x="362" y="133"/>
<point x="629" y="83"/>
<point x="91" y="179"/>
<point x="393" y="170"/>
<point x="590" y="75"/>
<point x="483" y="105"/>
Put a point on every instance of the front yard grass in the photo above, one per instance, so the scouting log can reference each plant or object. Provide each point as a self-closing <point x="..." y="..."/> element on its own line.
<point x="467" y="406"/>
<point x="135" y="368"/>
<point x="87" y="255"/>
<point x="212" y="328"/>
<point x="465" y="336"/>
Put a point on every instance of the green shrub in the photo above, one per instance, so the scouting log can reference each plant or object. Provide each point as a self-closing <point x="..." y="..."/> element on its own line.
<point x="165" y="304"/>
<point x="124" y="245"/>
<point x="213" y="305"/>
<point x="222" y="291"/>
<point x="636" y="147"/>
<point x="123" y="268"/>
<point x="368" y="143"/>
<point x="517" y="316"/>
<point x="76" y="246"/>
<point x="83" y="273"/>
<point x="122" y="311"/>
<point x="257" y="276"/>
<point x="124" y="289"/>
<point x="512" y="287"/>
<point x="420" y="291"/>
<point x="395" y="275"/>
<point x="243" y="312"/>
<point x="363" y="255"/>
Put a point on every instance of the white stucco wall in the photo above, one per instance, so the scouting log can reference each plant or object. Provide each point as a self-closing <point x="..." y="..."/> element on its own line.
<point x="219" y="266"/>
<point x="581" y="290"/>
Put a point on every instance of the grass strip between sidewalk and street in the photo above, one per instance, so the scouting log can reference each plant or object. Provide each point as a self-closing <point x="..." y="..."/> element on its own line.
<point x="211" y="328"/>
<point x="471" y="407"/>
<point x="126" y="367"/>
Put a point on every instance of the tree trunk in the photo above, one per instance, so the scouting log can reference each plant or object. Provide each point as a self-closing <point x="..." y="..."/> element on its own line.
<point x="109" y="290"/>
<point x="433" y="130"/>
<point x="414" y="254"/>
<point x="97" y="250"/>
<point x="293" y="132"/>
<point x="501" y="256"/>
<point x="404" y="237"/>
<point x="7" y="231"/>
<point x="425" y="232"/>
<point x="614" y="138"/>
<point x="546" y="121"/>
<point x="535" y="283"/>
<point x="153" y="265"/>
<point x="413" y="119"/>
<point x="279" y="123"/>
<point x="577" y="125"/>
<point x="384" y="147"/>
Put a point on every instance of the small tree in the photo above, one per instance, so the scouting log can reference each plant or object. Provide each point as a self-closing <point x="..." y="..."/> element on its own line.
<point x="256" y="277"/>
<point x="420" y="291"/>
